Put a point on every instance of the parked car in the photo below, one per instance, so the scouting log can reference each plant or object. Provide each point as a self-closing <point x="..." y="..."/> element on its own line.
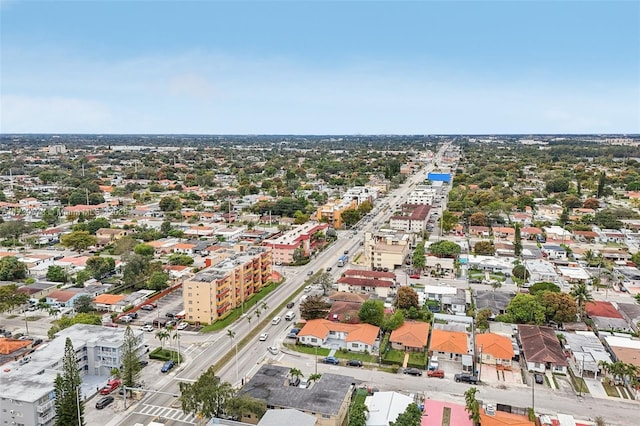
<point x="147" y="327"/>
<point x="159" y="322"/>
<point x="436" y="373"/>
<point x="104" y="402"/>
<point x="331" y="360"/>
<point x="414" y="276"/>
<point x="328" y="268"/>
<point x="170" y="315"/>
<point x="310" y="273"/>
<point x="263" y="337"/>
<point x="290" y="305"/>
<point x="126" y="319"/>
<point x="144" y="363"/>
<point x="538" y="378"/>
<point x="133" y="315"/>
<point x="167" y="366"/>
<point x="147" y="307"/>
<point x="110" y="387"/>
<point x="413" y="372"/>
<point x="466" y="378"/>
<point x="182" y="325"/>
<point x="354" y="363"/>
<point x="273" y="350"/>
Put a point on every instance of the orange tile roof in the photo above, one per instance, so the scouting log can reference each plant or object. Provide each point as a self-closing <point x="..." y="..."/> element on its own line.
<point x="500" y="418"/>
<point x="454" y="342"/>
<point x="108" y="299"/>
<point x="8" y="346"/>
<point x="365" y="333"/>
<point x="413" y="334"/>
<point x="497" y="345"/>
<point x="184" y="246"/>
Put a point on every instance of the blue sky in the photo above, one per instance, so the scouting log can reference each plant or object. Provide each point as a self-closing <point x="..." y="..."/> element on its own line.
<point x="316" y="67"/>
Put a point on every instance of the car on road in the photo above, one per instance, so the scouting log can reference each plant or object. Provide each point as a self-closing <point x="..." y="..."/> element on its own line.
<point x="538" y="378"/>
<point x="354" y="363"/>
<point x="110" y="387"/>
<point x="307" y="289"/>
<point x="346" y="252"/>
<point x="412" y="372"/>
<point x="147" y="327"/>
<point x="263" y="337"/>
<point x="167" y="366"/>
<point x="143" y="363"/>
<point x="273" y="350"/>
<point x="104" y="402"/>
<point x="414" y="276"/>
<point x="328" y="268"/>
<point x="182" y="325"/>
<point x="436" y="373"/>
<point x="310" y="273"/>
<point x="466" y="378"/>
<point x="290" y="304"/>
<point x="331" y="360"/>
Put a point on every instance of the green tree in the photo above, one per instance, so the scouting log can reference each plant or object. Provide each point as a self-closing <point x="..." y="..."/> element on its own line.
<point x="412" y="416"/>
<point x="99" y="267"/>
<point x="448" y="221"/>
<point x="541" y="287"/>
<point x="144" y="250"/>
<point x="324" y="280"/>
<point x="300" y="218"/>
<point x="485" y="248"/>
<point x="350" y="217"/>
<point x="81" y="277"/>
<point x="525" y="309"/>
<point x="372" y="312"/>
<point x="517" y="242"/>
<point x="520" y="272"/>
<point x="158" y="281"/>
<point x="406" y="298"/>
<point x="12" y="269"/>
<point x="602" y="180"/>
<point x="358" y="413"/>
<point x="97" y="223"/>
<point x="482" y="319"/>
<point x="14" y="229"/>
<point x="170" y="204"/>
<point x="472" y="406"/>
<point x="314" y="308"/>
<point x="295" y="373"/>
<point x="207" y="397"/>
<point x="130" y="370"/>
<point x="559" y="307"/>
<point x="83" y="304"/>
<point x="444" y="248"/>
<point x="180" y="259"/>
<point x="394" y="321"/>
<point x="68" y="402"/>
<point x="635" y="258"/>
<point x="57" y="274"/>
<point x="162" y="335"/>
<point x="11" y="298"/>
<point x="418" y="259"/>
<point x="582" y="295"/>
<point x="78" y="240"/>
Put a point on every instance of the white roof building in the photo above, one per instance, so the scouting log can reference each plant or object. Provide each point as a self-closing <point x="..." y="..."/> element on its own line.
<point x="385" y="407"/>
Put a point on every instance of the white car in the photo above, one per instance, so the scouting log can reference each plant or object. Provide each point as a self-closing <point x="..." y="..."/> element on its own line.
<point x="273" y="350"/>
<point x="263" y="337"/>
<point x="147" y="327"/>
<point x="182" y="325"/>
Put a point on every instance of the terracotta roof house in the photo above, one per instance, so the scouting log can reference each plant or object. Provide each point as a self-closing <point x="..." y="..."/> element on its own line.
<point x="380" y="288"/>
<point x="108" y="235"/>
<point x="410" y="336"/>
<point x="501" y="418"/>
<point x="345" y="312"/>
<point x="108" y="302"/>
<point x="541" y="349"/>
<point x="495" y="349"/>
<point x="345" y="296"/>
<point x="324" y="333"/>
<point x="449" y="343"/>
<point x="602" y="309"/>
<point x="184" y="248"/>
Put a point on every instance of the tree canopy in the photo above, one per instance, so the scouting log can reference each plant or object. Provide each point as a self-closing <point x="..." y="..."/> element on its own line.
<point x="372" y="312"/>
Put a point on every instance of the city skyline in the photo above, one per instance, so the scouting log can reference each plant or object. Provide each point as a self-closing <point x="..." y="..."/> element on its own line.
<point x="320" y="67"/>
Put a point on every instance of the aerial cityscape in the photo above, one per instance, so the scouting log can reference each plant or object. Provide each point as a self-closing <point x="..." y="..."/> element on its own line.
<point x="319" y="213"/>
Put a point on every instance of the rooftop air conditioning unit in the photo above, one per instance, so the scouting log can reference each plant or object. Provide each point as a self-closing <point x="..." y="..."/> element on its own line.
<point x="490" y="410"/>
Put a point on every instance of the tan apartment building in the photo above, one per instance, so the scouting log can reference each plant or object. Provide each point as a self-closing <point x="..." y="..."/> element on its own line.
<point x="387" y="249"/>
<point x="413" y="218"/>
<point x="301" y="237"/>
<point x="331" y="212"/>
<point x="214" y="292"/>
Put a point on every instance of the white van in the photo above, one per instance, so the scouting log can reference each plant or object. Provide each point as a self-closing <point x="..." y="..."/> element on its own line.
<point x="276" y="320"/>
<point x="290" y="315"/>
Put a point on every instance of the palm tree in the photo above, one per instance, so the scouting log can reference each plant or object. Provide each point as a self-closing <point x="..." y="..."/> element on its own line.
<point x="249" y="317"/>
<point x="294" y="372"/>
<point x="162" y="335"/>
<point x="589" y="257"/>
<point x="315" y="377"/>
<point x="605" y="367"/>
<point x="581" y="293"/>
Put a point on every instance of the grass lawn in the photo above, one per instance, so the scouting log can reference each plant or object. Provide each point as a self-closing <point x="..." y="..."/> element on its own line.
<point x="394" y="356"/>
<point x="610" y="389"/>
<point x="310" y="350"/>
<point x="33" y="318"/>
<point x="164" y="354"/>
<point x="579" y="385"/>
<point x="417" y="358"/>
<point x="12" y="316"/>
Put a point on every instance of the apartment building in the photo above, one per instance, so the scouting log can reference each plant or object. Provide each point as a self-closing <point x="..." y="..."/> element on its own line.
<point x="423" y="194"/>
<point x="361" y="194"/>
<point x="413" y="218"/>
<point x="300" y="237"/>
<point x="215" y="291"/>
<point x="332" y="211"/>
<point x="387" y="248"/>
<point x="27" y="394"/>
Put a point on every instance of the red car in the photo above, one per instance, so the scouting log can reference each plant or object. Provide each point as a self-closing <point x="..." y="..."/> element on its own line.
<point x="110" y="387"/>
<point x="414" y="276"/>
<point x="435" y="373"/>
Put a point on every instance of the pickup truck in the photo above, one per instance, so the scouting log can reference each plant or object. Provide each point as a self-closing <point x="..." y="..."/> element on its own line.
<point x="466" y="378"/>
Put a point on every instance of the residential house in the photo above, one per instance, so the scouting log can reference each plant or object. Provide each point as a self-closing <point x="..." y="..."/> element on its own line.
<point x="108" y="235"/>
<point x="327" y="399"/>
<point x="438" y="413"/>
<point x="557" y="234"/>
<point x="624" y="349"/>
<point x="550" y="212"/>
<point x="586" y="352"/>
<point x="605" y="316"/>
<point x="541" y="349"/>
<point x="440" y="266"/>
<point x="504" y="233"/>
<point x="541" y="270"/>
<point x="410" y="336"/>
<point x="495" y="349"/>
<point x="631" y="313"/>
<point x="489" y="416"/>
<point x="553" y="251"/>
<point x="324" y="333"/>
<point x="573" y="274"/>
<point x="530" y="232"/>
<point x="476" y="231"/>
<point x="62" y="298"/>
<point x="451" y="344"/>
<point x="184" y="248"/>
<point x="385" y="407"/>
<point x="109" y="302"/>
<point x="378" y="287"/>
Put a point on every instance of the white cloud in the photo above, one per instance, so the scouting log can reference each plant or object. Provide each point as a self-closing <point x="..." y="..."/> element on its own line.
<point x="191" y="86"/>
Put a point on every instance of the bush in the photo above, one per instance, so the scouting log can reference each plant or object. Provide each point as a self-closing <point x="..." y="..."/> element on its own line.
<point x="164" y="354"/>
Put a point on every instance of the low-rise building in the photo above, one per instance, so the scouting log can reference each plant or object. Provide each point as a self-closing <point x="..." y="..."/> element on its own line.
<point x="387" y="249"/>
<point x="385" y="407"/>
<point x="335" y="335"/>
<point x="410" y="336"/>
<point x="331" y="212"/>
<point x="327" y="399"/>
<point x="413" y="218"/>
<point x="298" y="238"/>
<point x="494" y="349"/>
<point x="450" y="344"/>
<point x="541" y="349"/>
